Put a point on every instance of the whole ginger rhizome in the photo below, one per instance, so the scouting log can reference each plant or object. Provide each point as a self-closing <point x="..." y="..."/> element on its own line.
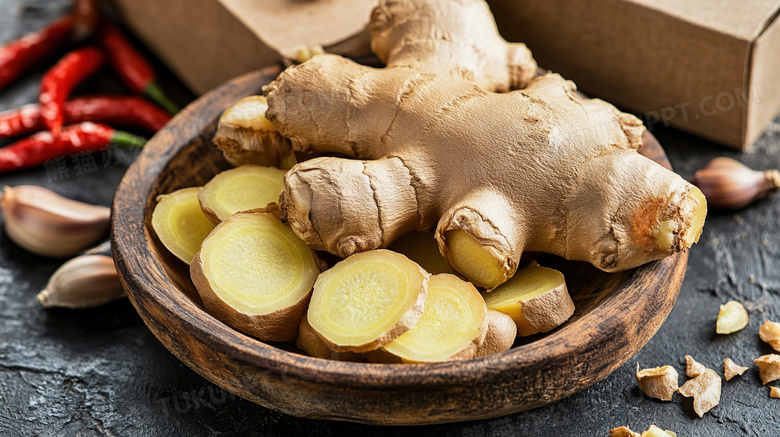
<point x="456" y="133"/>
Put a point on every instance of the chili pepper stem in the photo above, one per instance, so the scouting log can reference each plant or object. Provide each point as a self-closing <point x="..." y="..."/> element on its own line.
<point x="125" y="139"/>
<point x="154" y="92"/>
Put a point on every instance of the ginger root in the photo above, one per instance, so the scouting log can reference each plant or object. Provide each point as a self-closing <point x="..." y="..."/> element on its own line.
<point x="241" y="189"/>
<point x="732" y="317"/>
<point x="732" y="369"/>
<point x="501" y="333"/>
<point x="536" y="298"/>
<point x="457" y="133"/>
<point x="705" y="390"/>
<point x="452" y="326"/>
<point x="658" y="382"/>
<point x="245" y="136"/>
<point x="255" y="275"/>
<point x="180" y="224"/>
<point x="770" y="334"/>
<point x="768" y="368"/>
<point x="367" y="300"/>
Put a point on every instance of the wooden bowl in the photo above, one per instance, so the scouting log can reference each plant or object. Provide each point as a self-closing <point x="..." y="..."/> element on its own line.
<point x="616" y="313"/>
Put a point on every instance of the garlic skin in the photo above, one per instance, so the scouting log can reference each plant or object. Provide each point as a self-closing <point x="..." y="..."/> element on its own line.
<point x="86" y="281"/>
<point x="729" y="185"/>
<point x="48" y="224"/>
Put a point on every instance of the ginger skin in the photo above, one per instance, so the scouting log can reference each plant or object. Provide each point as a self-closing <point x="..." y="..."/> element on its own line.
<point x="555" y="172"/>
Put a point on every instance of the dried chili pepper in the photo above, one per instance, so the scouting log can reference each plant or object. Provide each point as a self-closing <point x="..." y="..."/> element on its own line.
<point x="128" y="111"/>
<point x="18" y="56"/>
<point x="43" y="146"/>
<point x="86" y="15"/>
<point x="60" y="80"/>
<point x="134" y="70"/>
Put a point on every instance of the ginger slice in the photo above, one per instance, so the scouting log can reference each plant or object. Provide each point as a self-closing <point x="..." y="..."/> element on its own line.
<point x="658" y="382"/>
<point x="692" y="367"/>
<point x="367" y="300"/>
<point x="770" y="334"/>
<point x="705" y="390"/>
<point x="180" y="224"/>
<point x="501" y="333"/>
<point x="536" y="298"/>
<point x="254" y="274"/>
<point x="732" y="317"/>
<point x="732" y="369"/>
<point x="245" y="136"/>
<point x="768" y="367"/>
<point x="240" y="189"/>
<point x="423" y="249"/>
<point x="774" y="392"/>
<point x="311" y="343"/>
<point x="451" y="327"/>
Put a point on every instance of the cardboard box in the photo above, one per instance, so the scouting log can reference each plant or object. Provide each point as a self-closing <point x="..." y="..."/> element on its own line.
<point x="709" y="67"/>
<point x="207" y="42"/>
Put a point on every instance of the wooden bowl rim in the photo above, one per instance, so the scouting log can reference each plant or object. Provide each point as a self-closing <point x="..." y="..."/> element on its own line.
<point x="134" y="261"/>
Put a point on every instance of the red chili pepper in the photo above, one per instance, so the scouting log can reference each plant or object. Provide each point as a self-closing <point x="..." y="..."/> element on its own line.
<point x="18" y="56"/>
<point x="44" y="146"/>
<point x="128" y="111"/>
<point x="134" y="70"/>
<point x="86" y="14"/>
<point x="60" y="80"/>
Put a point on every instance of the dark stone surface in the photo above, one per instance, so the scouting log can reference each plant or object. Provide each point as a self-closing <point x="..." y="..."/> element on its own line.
<point x="100" y="372"/>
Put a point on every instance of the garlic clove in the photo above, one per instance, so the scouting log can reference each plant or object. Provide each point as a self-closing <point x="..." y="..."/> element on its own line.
<point x="84" y="282"/>
<point x="729" y="185"/>
<point x="48" y="224"/>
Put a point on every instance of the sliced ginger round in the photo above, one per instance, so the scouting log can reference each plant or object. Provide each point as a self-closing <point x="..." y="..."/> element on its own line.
<point x="254" y="274"/>
<point x="180" y="224"/>
<point x="452" y="326"/>
<point x="536" y="298"/>
<point x="240" y="189"/>
<point x="367" y="300"/>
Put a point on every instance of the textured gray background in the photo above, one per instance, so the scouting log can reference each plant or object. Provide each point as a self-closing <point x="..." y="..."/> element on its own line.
<point x="100" y="372"/>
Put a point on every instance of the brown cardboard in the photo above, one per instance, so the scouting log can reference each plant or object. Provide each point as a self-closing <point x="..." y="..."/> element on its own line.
<point x="206" y="42"/>
<point x="708" y="67"/>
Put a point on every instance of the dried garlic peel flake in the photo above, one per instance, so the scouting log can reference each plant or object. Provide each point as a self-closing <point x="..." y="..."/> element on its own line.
<point x="768" y="367"/>
<point x="622" y="431"/>
<point x="770" y="333"/>
<point x="692" y="367"/>
<point x="705" y="390"/>
<point x="658" y="382"/>
<point x="732" y="369"/>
